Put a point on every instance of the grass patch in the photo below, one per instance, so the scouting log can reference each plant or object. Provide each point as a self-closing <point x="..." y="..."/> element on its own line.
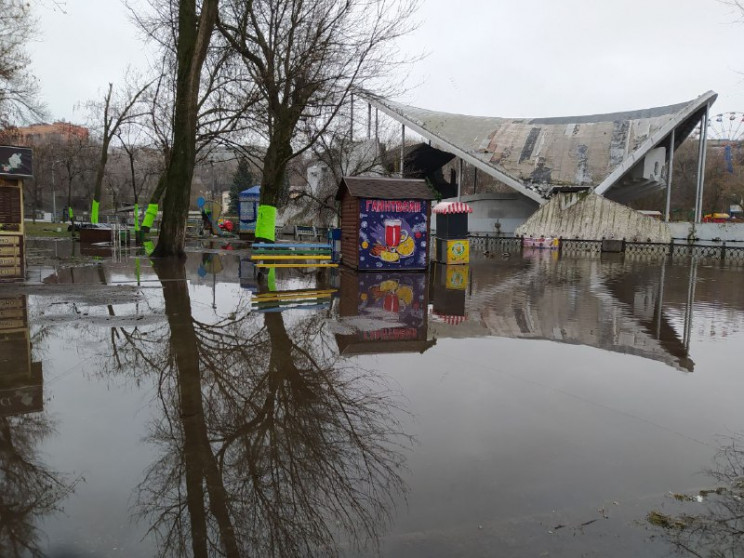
<point x="40" y="229"/>
<point x="658" y="519"/>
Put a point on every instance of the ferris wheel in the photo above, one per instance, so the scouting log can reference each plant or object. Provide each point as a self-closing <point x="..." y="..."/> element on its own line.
<point x="726" y="126"/>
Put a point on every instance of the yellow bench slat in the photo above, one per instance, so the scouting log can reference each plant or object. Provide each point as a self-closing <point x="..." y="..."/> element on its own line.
<point x="265" y="257"/>
<point x="297" y="265"/>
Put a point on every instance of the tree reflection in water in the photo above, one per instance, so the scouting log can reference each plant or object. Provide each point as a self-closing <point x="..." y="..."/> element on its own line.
<point x="28" y="489"/>
<point x="270" y="445"/>
<point x="717" y="530"/>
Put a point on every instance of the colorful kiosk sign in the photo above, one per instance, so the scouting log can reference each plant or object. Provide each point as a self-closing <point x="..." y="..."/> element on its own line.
<point x="393" y="234"/>
<point x="385" y="223"/>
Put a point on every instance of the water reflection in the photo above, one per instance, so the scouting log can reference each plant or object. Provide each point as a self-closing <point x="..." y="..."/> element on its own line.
<point x="270" y="444"/>
<point x="611" y="305"/>
<point x="382" y="313"/>
<point x="29" y="490"/>
<point x="718" y="528"/>
<point x="449" y="285"/>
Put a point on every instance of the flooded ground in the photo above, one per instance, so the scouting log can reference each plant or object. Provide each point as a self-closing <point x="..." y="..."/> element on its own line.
<point x="520" y="406"/>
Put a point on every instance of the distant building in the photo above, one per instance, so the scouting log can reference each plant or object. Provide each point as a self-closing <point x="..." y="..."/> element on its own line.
<point x="57" y="132"/>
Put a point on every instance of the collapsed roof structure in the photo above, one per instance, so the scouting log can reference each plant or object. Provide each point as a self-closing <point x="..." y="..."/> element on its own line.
<point x="620" y="155"/>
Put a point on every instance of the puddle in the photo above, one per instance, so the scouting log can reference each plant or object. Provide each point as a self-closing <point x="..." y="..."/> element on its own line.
<point x="539" y="406"/>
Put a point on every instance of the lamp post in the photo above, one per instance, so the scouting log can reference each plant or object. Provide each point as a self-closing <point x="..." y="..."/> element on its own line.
<point x="214" y="193"/>
<point x="54" y="195"/>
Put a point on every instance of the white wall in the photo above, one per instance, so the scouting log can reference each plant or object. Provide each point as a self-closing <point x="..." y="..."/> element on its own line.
<point x="709" y="231"/>
<point x="510" y="210"/>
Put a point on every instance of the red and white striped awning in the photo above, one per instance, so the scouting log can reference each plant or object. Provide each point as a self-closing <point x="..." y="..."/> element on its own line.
<point x="452" y="207"/>
<point x="450" y="319"/>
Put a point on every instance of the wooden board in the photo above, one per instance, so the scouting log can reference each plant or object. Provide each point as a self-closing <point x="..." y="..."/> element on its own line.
<point x="13" y="251"/>
<point x="11" y="230"/>
<point x="11" y="207"/>
<point x="10" y="240"/>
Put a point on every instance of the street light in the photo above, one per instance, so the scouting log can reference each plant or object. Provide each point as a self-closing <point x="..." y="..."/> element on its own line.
<point x="214" y="194"/>
<point x="54" y="194"/>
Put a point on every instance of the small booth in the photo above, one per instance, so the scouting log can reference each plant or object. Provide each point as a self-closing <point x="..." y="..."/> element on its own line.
<point x="248" y="210"/>
<point x="453" y="246"/>
<point x="15" y="164"/>
<point x="385" y="223"/>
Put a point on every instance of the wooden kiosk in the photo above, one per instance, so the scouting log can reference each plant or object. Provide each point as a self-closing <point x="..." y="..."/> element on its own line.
<point x="453" y="246"/>
<point x="15" y="164"/>
<point x="385" y="223"/>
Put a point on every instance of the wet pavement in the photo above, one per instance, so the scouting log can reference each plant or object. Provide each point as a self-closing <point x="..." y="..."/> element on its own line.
<point x="519" y="406"/>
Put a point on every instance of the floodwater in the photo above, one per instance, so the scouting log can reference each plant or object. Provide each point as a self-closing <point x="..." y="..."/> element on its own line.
<point x="519" y="406"/>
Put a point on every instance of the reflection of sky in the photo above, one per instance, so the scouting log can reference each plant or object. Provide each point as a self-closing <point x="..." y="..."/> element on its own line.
<point x="100" y="424"/>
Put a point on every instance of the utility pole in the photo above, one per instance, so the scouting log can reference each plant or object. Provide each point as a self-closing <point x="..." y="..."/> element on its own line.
<point x="54" y="195"/>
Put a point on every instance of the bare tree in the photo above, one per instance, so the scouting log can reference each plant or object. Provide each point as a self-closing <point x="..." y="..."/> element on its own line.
<point x="305" y="59"/>
<point x="192" y="41"/>
<point x="723" y="180"/>
<point x="212" y="116"/>
<point x="336" y="153"/>
<point x="115" y="113"/>
<point x="18" y="88"/>
<point x="143" y="165"/>
<point x="63" y="168"/>
<point x="76" y="162"/>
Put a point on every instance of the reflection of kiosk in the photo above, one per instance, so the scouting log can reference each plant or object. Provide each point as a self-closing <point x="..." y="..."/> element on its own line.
<point x="453" y="246"/>
<point x="384" y="223"/>
<point x="15" y="163"/>
<point x="20" y="379"/>
<point x="382" y="313"/>
<point x="448" y="288"/>
<point x="248" y="210"/>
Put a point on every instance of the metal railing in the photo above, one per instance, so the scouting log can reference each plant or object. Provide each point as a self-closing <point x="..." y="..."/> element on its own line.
<point x="730" y="252"/>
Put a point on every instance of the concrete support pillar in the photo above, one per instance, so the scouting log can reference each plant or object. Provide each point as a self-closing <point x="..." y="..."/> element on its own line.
<point x="377" y="134"/>
<point x="701" y="167"/>
<point x="351" y="118"/>
<point x="459" y="180"/>
<point x="670" y="172"/>
<point x="377" y="124"/>
<point x="402" y="147"/>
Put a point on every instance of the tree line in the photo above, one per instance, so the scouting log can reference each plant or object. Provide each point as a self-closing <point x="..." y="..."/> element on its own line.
<point x="267" y="80"/>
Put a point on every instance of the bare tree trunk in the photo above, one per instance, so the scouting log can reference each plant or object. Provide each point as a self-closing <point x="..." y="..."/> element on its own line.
<point x="194" y="33"/>
<point x="152" y="207"/>
<point x="274" y="169"/>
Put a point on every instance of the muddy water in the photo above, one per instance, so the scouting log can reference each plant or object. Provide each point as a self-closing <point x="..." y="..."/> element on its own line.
<point x="515" y="407"/>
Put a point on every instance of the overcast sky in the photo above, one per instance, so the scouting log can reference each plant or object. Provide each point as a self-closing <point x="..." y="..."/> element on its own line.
<point x="496" y="58"/>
